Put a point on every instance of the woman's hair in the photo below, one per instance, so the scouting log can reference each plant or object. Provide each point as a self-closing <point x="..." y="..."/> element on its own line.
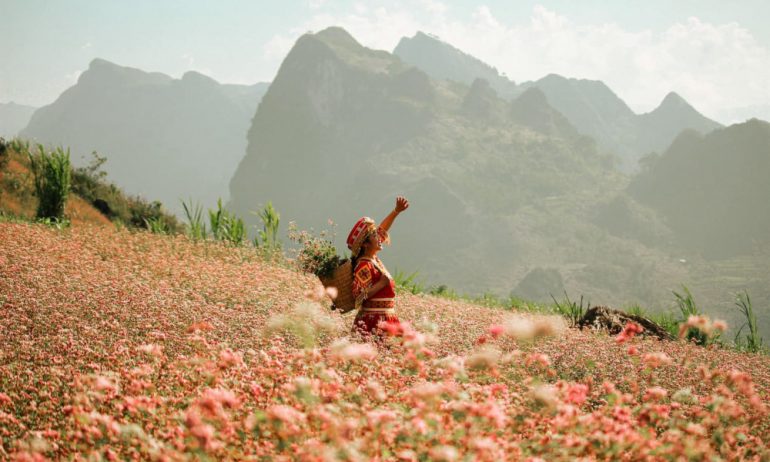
<point x="354" y="258"/>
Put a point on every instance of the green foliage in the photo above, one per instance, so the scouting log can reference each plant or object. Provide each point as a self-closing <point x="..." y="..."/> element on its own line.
<point x="268" y="235"/>
<point x="55" y="223"/>
<point x="20" y="146"/>
<point x="753" y="342"/>
<point x="196" y="228"/>
<point x="408" y="282"/>
<point x="571" y="310"/>
<point x="52" y="181"/>
<point x="637" y="310"/>
<point x="226" y="226"/>
<point x="666" y="320"/>
<point x="156" y="225"/>
<point x="316" y="253"/>
<point x="687" y="307"/>
<point x="443" y="291"/>
<point x="4" y="156"/>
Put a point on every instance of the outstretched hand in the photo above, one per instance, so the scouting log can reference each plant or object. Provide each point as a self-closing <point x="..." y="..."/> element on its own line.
<point x="401" y="204"/>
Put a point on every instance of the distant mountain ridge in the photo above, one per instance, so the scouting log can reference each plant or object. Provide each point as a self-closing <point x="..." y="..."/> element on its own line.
<point x="164" y="138"/>
<point x="713" y="189"/>
<point x="592" y="107"/>
<point x="14" y="117"/>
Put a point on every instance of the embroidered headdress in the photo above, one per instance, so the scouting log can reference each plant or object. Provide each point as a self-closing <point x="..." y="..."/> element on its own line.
<point x="360" y="232"/>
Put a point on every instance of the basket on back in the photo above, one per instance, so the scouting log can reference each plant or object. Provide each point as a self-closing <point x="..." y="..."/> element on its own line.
<point x="342" y="280"/>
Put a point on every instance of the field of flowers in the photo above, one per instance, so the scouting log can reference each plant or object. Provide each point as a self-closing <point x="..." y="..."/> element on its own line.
<point x="118" y="345"/>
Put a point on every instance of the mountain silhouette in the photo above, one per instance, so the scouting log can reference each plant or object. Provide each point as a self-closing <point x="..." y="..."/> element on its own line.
<point x="589" y="105"/>
<point x="712" y="189"/>
<point x="164" y="138"/>
<point x="443" y="61"/>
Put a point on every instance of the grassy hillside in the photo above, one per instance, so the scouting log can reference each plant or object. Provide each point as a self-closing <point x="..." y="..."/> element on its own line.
<point x="92" y="200"/>
<point x="134" y="345"/>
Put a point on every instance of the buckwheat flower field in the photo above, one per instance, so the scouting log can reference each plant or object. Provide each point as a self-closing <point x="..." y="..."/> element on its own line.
<point x="133" y="346"/>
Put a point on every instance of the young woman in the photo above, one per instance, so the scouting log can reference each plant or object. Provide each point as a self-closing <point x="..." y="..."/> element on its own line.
<point x="373" y="286"/>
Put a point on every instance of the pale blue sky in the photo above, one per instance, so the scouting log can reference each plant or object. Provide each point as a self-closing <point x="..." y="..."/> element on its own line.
<point x="715" y="53"/>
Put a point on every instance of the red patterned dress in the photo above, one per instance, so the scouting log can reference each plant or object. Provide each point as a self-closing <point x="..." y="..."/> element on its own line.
<point x="377" y="315"/>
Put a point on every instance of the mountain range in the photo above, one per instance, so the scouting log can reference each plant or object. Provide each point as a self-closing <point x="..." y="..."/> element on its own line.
<point x="592" y="107"/>
<point x="166" y="139"/>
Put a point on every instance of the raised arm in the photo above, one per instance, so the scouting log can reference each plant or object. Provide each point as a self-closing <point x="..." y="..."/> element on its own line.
<point x="401" y="205"/>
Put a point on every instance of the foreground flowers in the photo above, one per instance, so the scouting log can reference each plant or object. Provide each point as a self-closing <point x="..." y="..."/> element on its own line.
<point x="119" y="346"/>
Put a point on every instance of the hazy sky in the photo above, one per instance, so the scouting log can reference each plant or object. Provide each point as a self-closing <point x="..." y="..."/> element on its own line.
<point x="715" y="53"/>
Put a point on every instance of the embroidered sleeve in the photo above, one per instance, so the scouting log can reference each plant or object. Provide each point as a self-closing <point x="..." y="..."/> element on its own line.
<point x="363" y="279"/>
<point x="383" y="235"/>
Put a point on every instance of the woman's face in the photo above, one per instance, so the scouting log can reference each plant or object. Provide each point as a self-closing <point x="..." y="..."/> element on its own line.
<point x="373" y="242"/>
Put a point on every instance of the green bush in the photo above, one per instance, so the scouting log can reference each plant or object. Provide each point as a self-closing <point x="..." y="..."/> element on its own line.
<point x="53" y="175"/>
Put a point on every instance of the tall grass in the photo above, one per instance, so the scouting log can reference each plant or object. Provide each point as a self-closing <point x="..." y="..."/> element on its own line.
<point x="53" y="177"/>
<point x="196" y="227"/>
<point x="753" y="341"/>
<point x="226" y="226"/>
<point x="408" y="282"/>
<point x="156" y="225"/>
<point x="687" y="307"/>
<point x="268" y="235"/>
<point x="573" y="311"/>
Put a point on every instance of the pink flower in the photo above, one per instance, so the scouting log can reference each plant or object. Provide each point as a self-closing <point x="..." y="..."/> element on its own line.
<point x="576" y="393"/>
<point x="655" y="394"/>
<point x="496" y="330"/>
<point x="629" y="332"/>
<point x="655" y="360"/>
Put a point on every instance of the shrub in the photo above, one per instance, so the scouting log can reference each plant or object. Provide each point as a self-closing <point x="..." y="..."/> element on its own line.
<point x="52" y="181"/>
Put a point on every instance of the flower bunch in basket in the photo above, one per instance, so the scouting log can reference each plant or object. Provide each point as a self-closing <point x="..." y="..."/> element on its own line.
<point x="316" y="253"/>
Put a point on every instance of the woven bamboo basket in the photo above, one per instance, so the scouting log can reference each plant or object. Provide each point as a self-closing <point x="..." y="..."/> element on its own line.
<point x="342" y="280"/>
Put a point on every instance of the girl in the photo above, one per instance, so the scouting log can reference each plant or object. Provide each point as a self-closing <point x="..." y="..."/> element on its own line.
<point x="373" y="286"/>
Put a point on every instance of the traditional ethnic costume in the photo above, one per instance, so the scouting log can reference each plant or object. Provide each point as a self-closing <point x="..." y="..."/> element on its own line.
<point x="376" y="312"/>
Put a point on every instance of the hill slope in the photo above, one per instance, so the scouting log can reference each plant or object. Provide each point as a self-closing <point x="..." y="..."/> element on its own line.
<point x="164" y="138"/>
<point x="138" y="345"/>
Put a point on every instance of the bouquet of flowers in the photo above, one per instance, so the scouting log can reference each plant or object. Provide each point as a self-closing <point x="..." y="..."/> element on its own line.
<point x="317" y="255"/>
